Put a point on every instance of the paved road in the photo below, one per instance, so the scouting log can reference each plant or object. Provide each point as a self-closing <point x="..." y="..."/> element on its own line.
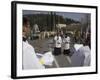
<point x="45" y="45"/>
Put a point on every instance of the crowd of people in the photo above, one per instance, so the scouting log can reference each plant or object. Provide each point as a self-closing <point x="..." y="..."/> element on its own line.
<point x="31" y="61"/>
<point x="81" y="55"/>
<point x="58" y="41"/>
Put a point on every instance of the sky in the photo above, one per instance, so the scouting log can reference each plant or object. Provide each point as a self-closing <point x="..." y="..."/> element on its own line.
<point x="75" y="16"/>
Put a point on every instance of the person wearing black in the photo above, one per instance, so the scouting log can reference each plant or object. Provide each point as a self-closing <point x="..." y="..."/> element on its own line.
<point x="57" y="44"/>
<point x="66" y="42"/>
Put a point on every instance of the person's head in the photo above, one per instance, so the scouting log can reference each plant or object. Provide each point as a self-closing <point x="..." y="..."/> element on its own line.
<point x="57" y="33"/>
<point x="87" y="42"/>
<point x="26" y="27"/>
<point x="66" y="35"/>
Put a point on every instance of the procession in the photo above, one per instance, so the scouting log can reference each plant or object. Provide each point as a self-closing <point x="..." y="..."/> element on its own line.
<point x="55" y="48"/>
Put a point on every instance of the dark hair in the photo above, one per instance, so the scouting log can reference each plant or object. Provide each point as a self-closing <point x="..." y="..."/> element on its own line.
<point x="66" y="35"/>
<point x="87" y="42"/>
<point x="25" y="20"/>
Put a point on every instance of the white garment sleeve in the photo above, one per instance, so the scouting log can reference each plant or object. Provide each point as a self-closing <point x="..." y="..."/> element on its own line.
<point x="68" y="39"/>
<point x="87" y="60"/>
<point x="30" y="60"/>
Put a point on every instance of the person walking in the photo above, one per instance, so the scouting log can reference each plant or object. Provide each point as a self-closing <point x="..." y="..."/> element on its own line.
<point x="66" y="42"/>
<point x="57" y="44"/>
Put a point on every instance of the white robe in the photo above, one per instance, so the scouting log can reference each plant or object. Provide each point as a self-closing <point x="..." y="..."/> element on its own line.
<point x="30" y="60"/>
<point x="87" y="54"/>
<point x="66" y="43"/>
<point x="81" y="56"/>
<point x="58" y="41"/>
